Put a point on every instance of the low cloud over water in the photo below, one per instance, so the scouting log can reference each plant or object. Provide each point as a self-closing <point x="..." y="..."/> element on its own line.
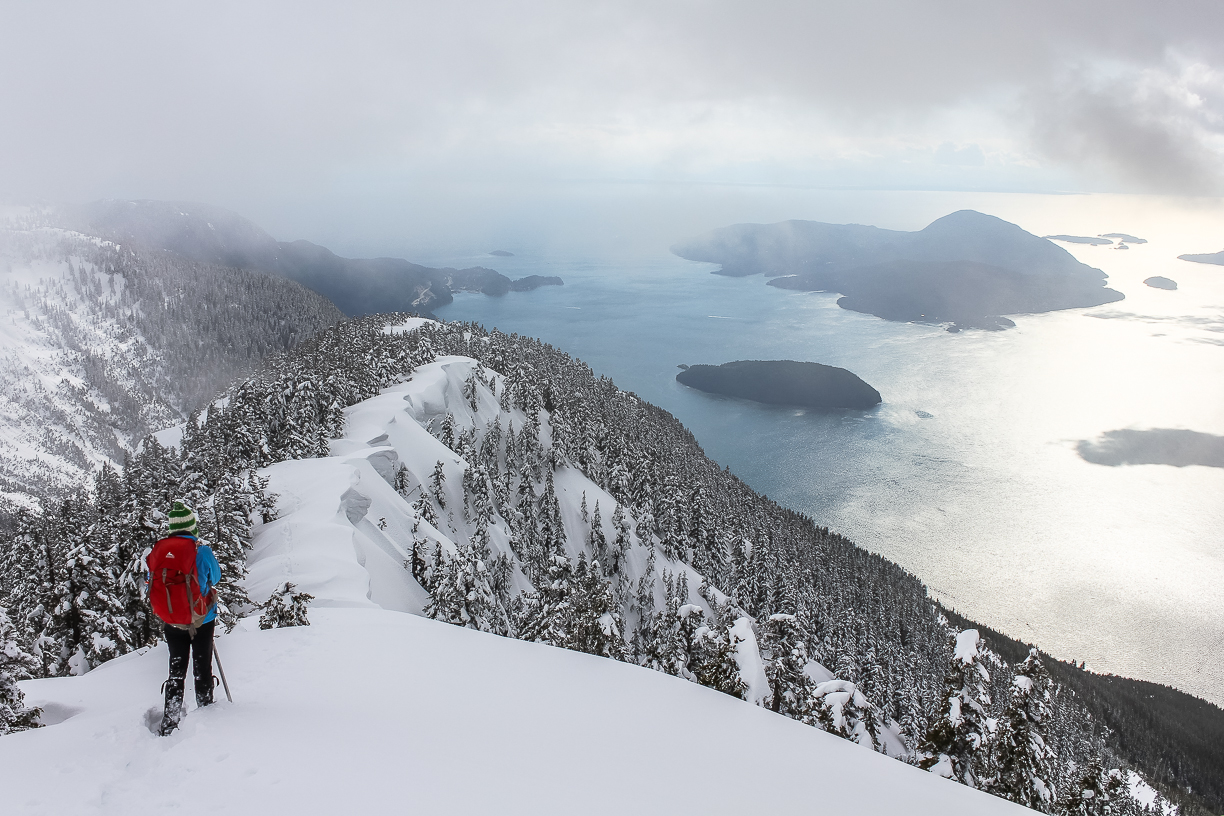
<point x="1154" y="446"/>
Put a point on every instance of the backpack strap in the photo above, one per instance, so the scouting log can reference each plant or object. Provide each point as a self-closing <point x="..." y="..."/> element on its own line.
<point x="166" y="586"/>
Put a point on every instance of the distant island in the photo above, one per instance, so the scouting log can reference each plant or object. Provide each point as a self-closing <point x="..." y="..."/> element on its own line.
<point x="783" y="382"/>
<point x="1161" y="282"/>
<point x="1080" y="239"/>
<point x="1210" y="258"/>
<point x="1124" y="238"/>
<point x="501" y="253"/>
<point x="966" y="269"/>
<point x="535" y="282"/>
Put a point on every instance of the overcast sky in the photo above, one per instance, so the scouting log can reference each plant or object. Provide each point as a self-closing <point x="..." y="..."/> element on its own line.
<point x="302" y="114"/>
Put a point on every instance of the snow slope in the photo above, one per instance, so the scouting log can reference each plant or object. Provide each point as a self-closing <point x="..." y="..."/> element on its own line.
<point x="374" y="708"/>
<point x="375" y="711"/>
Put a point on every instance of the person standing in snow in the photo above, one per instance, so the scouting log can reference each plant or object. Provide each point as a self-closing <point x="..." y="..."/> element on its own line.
<point x="183" y="567"/>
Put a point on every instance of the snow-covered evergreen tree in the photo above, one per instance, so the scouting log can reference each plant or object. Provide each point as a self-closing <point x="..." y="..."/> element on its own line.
<point x="15" y="664"/>
<point x="285" y="607"/>
<point x="1098" y="792"/>
<point x="437" y="480"/>
<point x="954" y="742"/>
<point x="1020" y="761"/>
<point x="92" y="612"/>
<point x="594" y="625"/>
<point x="461" y="592"/>
<point x="784" y="651"/>
<point x="546" y="615"/>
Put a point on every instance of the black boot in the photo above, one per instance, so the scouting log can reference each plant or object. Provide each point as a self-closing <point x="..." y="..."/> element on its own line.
<point x="204" y="692"/>
<point x="174" y="706"/>
<point x="201" y="660"/>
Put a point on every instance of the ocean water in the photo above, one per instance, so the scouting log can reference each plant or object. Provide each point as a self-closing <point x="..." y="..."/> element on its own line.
<point x="968" y="473"/>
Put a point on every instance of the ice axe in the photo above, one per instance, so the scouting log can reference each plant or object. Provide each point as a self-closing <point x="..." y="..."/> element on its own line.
<point x="221" y="669"/>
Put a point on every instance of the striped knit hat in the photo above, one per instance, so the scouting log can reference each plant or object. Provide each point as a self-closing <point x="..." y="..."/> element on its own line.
<point x="182" y="519"/>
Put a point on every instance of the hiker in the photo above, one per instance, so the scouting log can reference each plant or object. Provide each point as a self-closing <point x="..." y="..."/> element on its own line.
<point x="183" y="575"/>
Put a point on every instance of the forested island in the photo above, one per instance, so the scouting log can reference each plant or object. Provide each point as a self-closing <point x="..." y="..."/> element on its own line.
<point x="535" y="282"/>
<point x="966" y="269"/>
<point x="783" y="382"/>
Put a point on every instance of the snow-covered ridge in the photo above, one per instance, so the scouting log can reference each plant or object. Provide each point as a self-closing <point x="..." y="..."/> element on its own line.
<point x="346" y="534"/>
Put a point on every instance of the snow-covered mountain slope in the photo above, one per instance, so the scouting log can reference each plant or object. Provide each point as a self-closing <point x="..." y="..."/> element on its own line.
<point x="373" y="711"/>
<point x="346" y="533"/>
<point x="493" y="482"/>
<point x="99" y="345"/>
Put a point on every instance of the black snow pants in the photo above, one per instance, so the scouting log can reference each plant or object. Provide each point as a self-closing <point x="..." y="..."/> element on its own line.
<point x="181" y="643"/>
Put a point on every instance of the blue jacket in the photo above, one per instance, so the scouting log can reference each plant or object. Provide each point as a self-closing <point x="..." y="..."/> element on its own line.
<point x="208" y="571"/>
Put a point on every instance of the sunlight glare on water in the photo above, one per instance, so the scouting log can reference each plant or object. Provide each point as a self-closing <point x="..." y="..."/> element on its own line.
<point x="987" y="499"/>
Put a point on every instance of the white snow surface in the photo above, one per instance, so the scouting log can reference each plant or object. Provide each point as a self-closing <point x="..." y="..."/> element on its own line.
<point x="409" y="325"/>
<point x="374" y="711"/>
<point x="967" y="643"/>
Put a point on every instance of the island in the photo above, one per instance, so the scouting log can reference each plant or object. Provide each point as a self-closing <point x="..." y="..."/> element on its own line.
<point x="966" y="269"/>
<point x="1124" y="238"/>
<point x="1209" y="258"/>
<point x="535" y="282"/>
<point x="1160" y="282"/>
<point x="1080" y="239"/>
<point x="783" y="382"/>
<point x="501" y="253"/>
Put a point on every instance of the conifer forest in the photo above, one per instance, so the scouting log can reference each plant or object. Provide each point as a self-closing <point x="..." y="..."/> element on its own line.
<point x="691" y="572"/>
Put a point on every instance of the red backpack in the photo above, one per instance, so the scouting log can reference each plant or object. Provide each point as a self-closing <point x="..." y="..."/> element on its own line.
<point x="174" y="588"/>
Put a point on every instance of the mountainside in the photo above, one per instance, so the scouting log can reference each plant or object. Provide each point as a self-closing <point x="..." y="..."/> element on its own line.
<point x="966" y="268"/>
<point x="104" y="344"/>
<point x="209" y="234"/>
<point x="495" y="483"/>
<point x="369" y="711"/>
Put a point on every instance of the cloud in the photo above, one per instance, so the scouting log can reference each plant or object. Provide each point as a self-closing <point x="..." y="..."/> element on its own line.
<point x="262" y="106"/>
<point x="1153" y="446"/>
<point x="1157" y="128"/>
<point x="966" y="156"/>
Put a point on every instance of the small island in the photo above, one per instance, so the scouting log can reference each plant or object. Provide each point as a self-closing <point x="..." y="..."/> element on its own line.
<point x="1161" y="282"/>
<point x="535" y="282"/>
<point x="501" y="253"/>
<point x="1124" y="238"/>
<point x="1206" y="258"/>
<point x="1080" y="239"/>
<point x="783" y="382"/>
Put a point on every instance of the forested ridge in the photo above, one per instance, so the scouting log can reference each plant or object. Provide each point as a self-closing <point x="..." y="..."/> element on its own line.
<point x="849" y="642"/>
<point x="106" y="344"/>
<point x="1176" y="737"/>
